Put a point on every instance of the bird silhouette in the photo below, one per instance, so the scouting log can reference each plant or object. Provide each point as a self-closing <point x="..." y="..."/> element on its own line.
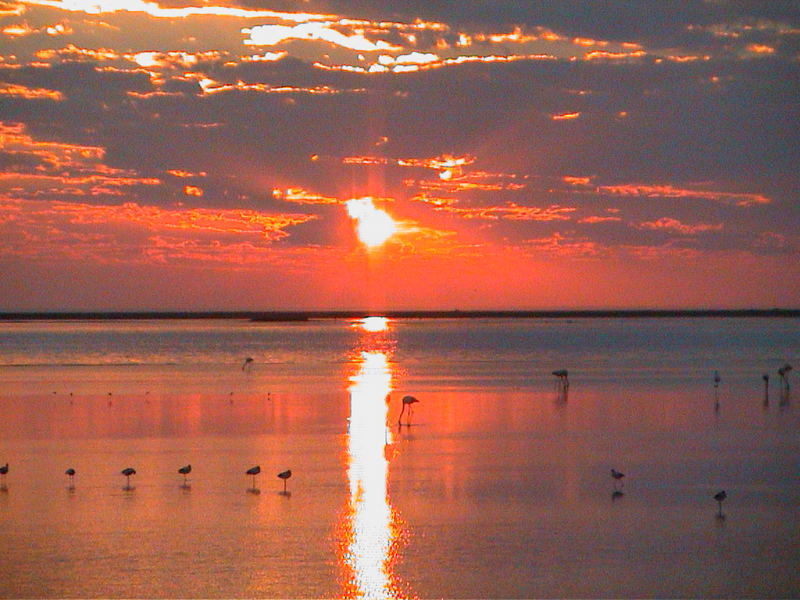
<point x="720" y="497"/>
<point x="562" y="383"/>
<point x="70" y="473"/>
<point x="128" y="472"/>
<point x="4" y="471"/>
<point x="185" y="470"/>
<point x="285" y="475"/>
<point x="247" y="362"/>
<point x="617" y="476"/>
<point x="254" y="471"/>
<point x="407" y="401"/>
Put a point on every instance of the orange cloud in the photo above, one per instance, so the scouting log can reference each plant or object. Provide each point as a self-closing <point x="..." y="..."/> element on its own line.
<point x="760" y="49"/>
<point x="673" y="225"/>
<point x="565" y="116"/>
<point x="155" y="10"/>
<point x="510" y="212"/>
<point x="21" y="91"/>
<point x="301" y="196"/>
<point x="130" y="232"/>
<point x="192" y="190"/>
<point x="668" y="191"/>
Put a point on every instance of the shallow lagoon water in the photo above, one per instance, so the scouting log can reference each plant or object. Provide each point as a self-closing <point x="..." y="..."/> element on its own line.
<point x="499" y="488"/>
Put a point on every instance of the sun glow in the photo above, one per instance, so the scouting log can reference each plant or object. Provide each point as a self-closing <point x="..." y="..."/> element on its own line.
<point x="373" y="225"/>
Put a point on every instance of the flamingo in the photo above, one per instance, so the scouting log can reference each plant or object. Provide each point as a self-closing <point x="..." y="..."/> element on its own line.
<point x="783" y="371"/>
<point x="185" y="470"/>
<point x="254" y="471"/>
<point x="71" y="474"/>
<point x="128" y="472"/>
<point x="285" y="475"/>
<point x="4" y="471"/>
<point x="247" y="362"/>
<point x="719" y="497"/>
<point x="617" y="477"/>
<point x="563" y="377"/>
<point x="407" y="401"/>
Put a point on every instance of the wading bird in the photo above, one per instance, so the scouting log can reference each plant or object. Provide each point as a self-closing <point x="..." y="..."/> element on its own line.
<point x="247" y="362"/>
<point x="71" y="474"/>
<point x="719" y="497"/>
<point x="185" y="470"/>
<point x="254" y="471"/>
<point x="285" y="475"/>
<point x="562" y="383"/>
<point x="128" y="472"/>
<point x="4" y="471"/>
<point x="617" y="477"/>
<point x="783" y="372"/>
<point x="407" y="401"/>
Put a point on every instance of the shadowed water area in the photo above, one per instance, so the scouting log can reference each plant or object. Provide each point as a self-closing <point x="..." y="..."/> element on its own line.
<point x="499" y="487"/>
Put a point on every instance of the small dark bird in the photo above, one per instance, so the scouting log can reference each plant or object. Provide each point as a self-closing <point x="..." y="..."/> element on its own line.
<point x="70" y="472"/>
<point x="720" y="497"/>
<point x="185" y="471"/>
<point x="254" y="471"/>
<point x="285" y="475"/>
<point x="247" y="362"/>
<point x="407" y="401"/>
<point x="128" y="472"/>
<point x="617" y="477"/>
<point x="4" y="470"/>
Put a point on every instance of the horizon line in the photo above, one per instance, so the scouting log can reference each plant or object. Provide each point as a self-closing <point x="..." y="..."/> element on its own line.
<point x="305" y="315"/>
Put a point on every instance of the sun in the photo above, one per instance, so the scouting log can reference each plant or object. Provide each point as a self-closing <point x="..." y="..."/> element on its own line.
<point x="373" y="225"/>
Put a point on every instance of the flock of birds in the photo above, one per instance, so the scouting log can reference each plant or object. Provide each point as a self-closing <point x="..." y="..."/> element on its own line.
<point x="128" y="472"/>
<point x="562" y="382"/>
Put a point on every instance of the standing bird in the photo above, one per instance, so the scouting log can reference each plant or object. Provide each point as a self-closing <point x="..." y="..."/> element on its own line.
<point x="765" y="377"/>
<point x="71" y="474"/>
<point x="783" y="371"/>
<point x="4" y="471"/>
<point x="285" y="475"/>
<point x="407" y="401"/>
<point x="247" y="362"/>
<point x="185" y="470"/>
<point x="254" y="471"/>
<point x="563" y="377"/>
<point x="617" y="478"/>
<point x="128" y="472"/>
<point x="719" y="497"/>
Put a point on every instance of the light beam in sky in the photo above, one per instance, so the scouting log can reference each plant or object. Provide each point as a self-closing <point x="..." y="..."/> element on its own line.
<point x="373" y="225"/>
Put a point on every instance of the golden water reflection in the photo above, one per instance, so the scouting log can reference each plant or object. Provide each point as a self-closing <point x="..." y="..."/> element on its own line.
<point x="372" y="532"/>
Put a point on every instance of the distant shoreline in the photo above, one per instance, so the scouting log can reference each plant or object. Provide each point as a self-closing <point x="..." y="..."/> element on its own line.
<point x="289" y="316"/>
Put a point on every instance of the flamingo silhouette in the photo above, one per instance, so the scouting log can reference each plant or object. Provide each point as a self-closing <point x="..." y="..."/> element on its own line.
<point x="71" y="474"/>
<point x="285" y="475"/>
<point x="128" y="472"/>
<point x="407" y="401"/>
<point x="562" y="383"/>
<point x="254" y="471"/>
<point x="720" y="497"/>
<point x="617" y="476"/>
<point x="247" y="362"/>
<point x="185" y="470"/>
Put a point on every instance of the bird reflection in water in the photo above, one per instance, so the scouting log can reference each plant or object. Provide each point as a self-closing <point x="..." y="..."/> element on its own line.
<point x="370" y="529"/>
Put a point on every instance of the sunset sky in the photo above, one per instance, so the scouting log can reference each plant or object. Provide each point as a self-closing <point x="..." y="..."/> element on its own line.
<point x="387" y="154"/>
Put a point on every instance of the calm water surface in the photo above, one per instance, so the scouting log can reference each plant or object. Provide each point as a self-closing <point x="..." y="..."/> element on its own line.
<point x="499" y="488"/>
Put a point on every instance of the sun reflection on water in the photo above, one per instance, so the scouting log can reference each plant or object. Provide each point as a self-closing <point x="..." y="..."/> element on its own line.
<point x="371" y="530"/>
